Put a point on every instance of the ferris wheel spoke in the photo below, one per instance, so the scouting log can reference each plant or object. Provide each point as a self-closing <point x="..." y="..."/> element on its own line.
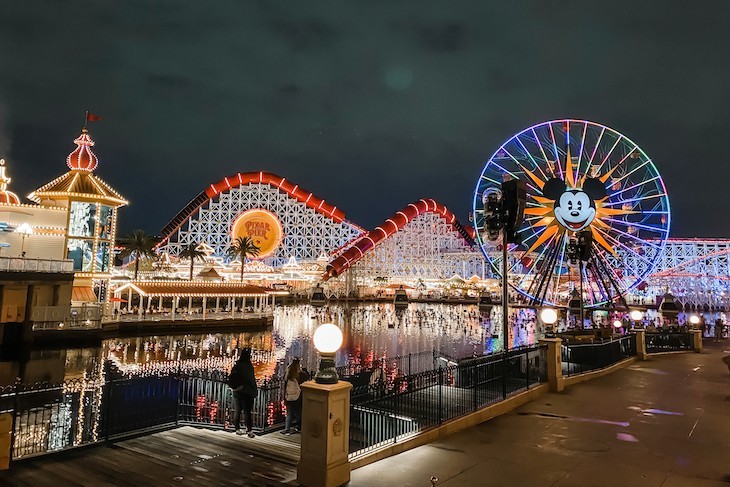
<point x="505" y="170"/>
<point x="648" y="161"/>
<point x="610" y="151"/>
<point x="492" y="180"/>
<point x="638" y="225"/>
<point x="580" y="151"/>
<point x="555" y="151"/>
<point x="529" y="154"/>
<point x="623" y="246"/>
<point x="595" y="148"/>
<point x="631" y="200"/>
<point x="561" y="261"/>
<point x="535" y="262"/>
<point x="637" y="185"/>
<point x="542" y="151"/>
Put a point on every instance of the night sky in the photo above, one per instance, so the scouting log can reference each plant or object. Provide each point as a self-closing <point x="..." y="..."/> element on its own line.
<point x="369" y="105"/>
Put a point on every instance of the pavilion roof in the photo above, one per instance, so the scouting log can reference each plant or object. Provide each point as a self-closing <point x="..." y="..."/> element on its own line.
<point x="196" y="289"/>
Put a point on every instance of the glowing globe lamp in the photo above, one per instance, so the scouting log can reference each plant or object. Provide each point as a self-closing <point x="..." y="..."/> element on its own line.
<point x="694" y="319"/>
<point x="549" y="316"/>
<point x="617" y="324"/>
<point x="327" y="340"/>
<point x="635" y="315"/>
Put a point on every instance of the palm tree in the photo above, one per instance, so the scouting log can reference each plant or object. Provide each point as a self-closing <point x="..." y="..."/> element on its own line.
<point x="139" y="244"/>
<point x="192" y="252"/>
<point x="243" y="247"/>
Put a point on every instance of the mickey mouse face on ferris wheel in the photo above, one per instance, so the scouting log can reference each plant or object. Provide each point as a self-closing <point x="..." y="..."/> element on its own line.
<point x="574" y="208"/>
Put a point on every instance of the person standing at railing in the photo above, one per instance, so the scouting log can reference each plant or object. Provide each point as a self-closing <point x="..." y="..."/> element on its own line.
<point x="293" y="396"/>
<point x="243" y="383"/>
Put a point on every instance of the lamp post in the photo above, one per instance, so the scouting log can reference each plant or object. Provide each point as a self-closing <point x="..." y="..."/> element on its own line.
<point x="24" y="230"/>
<point x="325" y="437"/>
<point x="694" y="320"/>
<point x="617" y="325"/>
<point x="636" y="317"/>
<point x="327" y="340"/>
<point x="549" y="317"/>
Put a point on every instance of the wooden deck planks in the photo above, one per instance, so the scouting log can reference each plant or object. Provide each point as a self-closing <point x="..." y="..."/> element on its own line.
<point x="184" y="456"/>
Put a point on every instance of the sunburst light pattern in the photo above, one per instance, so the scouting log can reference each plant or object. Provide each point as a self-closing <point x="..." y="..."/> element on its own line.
<point x="580" y="176"/>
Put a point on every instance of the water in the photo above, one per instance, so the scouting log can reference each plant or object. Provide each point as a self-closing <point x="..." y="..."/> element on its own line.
<point x="65" y="400"/>
<point x="372" y="332"/>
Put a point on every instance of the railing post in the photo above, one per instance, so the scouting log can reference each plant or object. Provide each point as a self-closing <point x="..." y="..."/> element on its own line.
<point x="441" y="383"/>
<point x="696" y="340"/>
<point x="640" y="343"/>
<point x="554" y="363"/>
<point x="527" y="368"/>
<point x="504" y="374"/>
<point x="325" y="435"/>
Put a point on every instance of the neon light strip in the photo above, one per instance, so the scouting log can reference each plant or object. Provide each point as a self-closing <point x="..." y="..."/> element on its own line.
<point x="532" y="159"/>
<point x="539" y="144"/>
<point x="635" y="185"/>
<point x="555" y="148"/>
<point x="643" y="198"/>
<point x="633" y="170"/>
<point x="629" y="224"/>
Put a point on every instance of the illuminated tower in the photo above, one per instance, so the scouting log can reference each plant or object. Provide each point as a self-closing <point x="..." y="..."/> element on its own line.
<point x="6" y="197"/>
<point x="92" y="207"/>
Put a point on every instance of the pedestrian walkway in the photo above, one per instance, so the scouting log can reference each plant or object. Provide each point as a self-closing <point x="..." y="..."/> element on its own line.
<point x="661" y="423"/>
<point x="183" y="456"/>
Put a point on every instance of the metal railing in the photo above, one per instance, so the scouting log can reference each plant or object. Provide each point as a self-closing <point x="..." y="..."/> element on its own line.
<point x="580" y="358"/>
<point x="668" y="342"/>
<point x="49" y="418"/>
<point x="383" y="413"/>
<point x="84" y="317"/>
<point x="20" y="264"/>
<point x="183" y="316"/>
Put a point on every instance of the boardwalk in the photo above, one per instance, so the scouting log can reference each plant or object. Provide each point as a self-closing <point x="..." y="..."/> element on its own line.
<point x="179" y="457"/>
<point x="659" y="423"/>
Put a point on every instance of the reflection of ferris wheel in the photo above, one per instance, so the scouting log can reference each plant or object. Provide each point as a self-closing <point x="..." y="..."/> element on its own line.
<point x="585" y="182"/>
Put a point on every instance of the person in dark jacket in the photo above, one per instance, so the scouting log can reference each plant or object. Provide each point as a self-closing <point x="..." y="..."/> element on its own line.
<point x="243" y="383"/>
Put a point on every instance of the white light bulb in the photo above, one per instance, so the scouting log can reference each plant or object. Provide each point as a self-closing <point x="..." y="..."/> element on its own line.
<point x="694" y="319"/>
<point x="635" y="315"/>
<point x="327" y="338"/>
<point x="549" y="316"/>
<point x="617" y="324"/>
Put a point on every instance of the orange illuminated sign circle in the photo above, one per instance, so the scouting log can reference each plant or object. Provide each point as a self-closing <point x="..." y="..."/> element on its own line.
<point x="262" y="227"/>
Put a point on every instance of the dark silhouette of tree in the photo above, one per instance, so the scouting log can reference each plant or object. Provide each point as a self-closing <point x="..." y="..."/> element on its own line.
<point x="243" y="247"/>
<point x="192" y="252"/>
<point x="139" y="245"/>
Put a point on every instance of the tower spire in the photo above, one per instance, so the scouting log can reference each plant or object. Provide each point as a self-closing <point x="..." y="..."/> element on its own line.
<point x="82" y="158"/>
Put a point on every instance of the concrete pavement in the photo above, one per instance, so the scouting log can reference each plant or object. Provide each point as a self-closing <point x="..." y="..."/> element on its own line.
<point x="663" y="422"/>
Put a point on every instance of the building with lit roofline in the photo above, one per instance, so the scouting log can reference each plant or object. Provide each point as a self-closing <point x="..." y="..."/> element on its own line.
<point x="91" y="207"/>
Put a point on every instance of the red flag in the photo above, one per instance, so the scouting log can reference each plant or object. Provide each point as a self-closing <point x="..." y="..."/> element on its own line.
<point x="90" y="117"/>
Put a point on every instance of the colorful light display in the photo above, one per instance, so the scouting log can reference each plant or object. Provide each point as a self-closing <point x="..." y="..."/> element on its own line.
<point x="580" y="175"/>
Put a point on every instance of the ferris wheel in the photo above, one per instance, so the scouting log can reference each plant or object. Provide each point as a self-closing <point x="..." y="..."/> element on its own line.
<point x="588" y="187"/>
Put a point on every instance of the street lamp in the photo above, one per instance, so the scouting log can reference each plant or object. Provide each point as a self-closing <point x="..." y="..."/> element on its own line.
<point x="694" y="320"/>
<point x="24" y="230"/>
<point x="636" y="316"/>
<point x="549" y="317"/>
<point x="327" y="340"/>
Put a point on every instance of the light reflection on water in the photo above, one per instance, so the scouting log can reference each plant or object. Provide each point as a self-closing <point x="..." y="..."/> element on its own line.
<point x="372" y="331"/>
<point x="57" y="417"/>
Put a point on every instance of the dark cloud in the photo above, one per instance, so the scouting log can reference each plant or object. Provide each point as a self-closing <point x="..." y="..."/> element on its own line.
<point x="368" y="104"/>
